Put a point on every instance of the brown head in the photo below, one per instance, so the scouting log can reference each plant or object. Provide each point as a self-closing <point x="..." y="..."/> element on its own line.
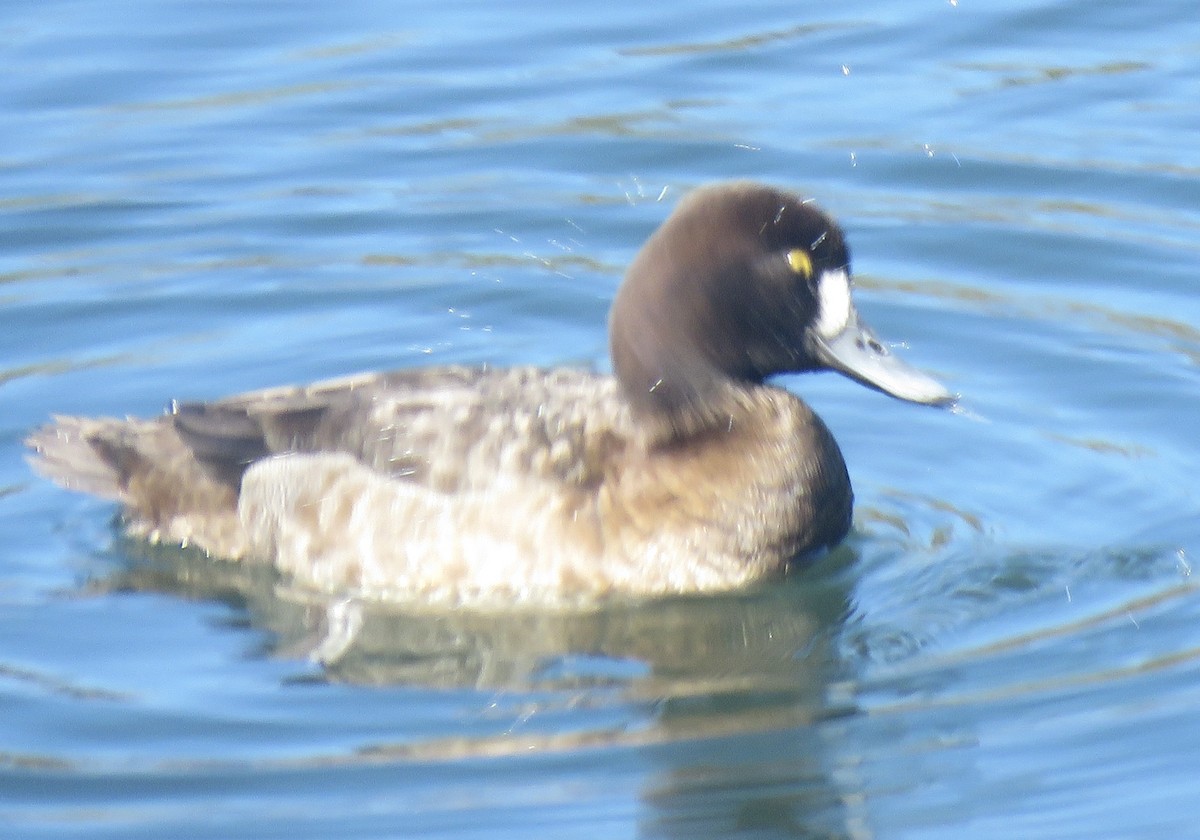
<point x="741" y="282"/>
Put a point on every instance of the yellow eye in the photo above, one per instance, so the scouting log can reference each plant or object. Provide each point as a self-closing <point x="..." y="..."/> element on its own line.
<point x="800" y="262"/>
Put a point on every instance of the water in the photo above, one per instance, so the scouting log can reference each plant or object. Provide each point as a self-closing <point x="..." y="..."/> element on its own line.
<point x="203" y="198"/>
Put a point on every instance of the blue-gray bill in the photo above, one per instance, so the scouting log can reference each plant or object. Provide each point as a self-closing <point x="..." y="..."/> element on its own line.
<point x="857" y="353"/>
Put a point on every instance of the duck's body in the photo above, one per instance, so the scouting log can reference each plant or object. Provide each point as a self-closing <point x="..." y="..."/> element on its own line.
<point x="684" y="473"/>
<point x="469" y="485"/>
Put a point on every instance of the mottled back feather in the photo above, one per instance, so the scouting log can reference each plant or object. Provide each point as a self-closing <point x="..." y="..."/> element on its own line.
<point x="448" y="429"/>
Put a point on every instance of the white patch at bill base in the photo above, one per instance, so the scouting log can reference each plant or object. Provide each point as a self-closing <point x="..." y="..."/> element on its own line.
<point x="833" y="298"/>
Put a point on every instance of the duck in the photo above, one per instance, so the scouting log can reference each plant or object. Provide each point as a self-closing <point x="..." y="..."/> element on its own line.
<point x="683" y="472"/>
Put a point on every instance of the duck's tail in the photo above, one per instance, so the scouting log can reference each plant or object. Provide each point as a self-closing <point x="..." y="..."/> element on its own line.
<point x="167" y="494"/>
<point x="78" y="453"/>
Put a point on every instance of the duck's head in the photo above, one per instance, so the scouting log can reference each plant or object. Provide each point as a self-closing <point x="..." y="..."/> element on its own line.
<point x="741" y="282"/>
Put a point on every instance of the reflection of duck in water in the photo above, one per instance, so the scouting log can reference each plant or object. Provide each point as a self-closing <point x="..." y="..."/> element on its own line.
<point x="684" y="473"/>
<point x="774" y="639"/>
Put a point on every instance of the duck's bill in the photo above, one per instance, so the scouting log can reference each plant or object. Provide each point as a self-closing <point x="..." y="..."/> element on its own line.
<point x="857" y="353"/>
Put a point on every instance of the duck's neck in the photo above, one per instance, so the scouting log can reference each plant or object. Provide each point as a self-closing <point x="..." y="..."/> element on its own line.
<point x="686" y="402"/>
<point x="680" y="348"/>
<point x="674" y="388"/>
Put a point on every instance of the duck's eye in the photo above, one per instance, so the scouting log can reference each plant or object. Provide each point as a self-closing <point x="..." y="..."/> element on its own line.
<point x="801" y="262"/>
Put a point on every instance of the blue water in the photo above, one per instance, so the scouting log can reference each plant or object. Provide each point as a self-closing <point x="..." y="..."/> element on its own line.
<point x="201" y="198"/>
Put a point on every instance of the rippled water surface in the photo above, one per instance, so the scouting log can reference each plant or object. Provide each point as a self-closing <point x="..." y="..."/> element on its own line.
<point x="202" y="198"/>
